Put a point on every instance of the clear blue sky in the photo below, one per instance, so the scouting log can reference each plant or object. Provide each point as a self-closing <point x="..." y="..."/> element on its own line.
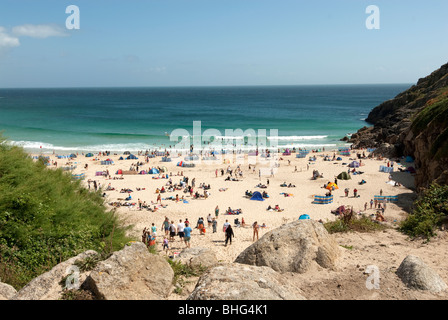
<point x="219" y="42"/>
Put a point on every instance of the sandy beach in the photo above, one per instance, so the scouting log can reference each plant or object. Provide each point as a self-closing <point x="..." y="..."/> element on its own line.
<point x="291" y="170"/>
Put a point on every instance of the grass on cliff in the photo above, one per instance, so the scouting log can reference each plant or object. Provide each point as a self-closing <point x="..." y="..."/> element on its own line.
<point x="430" y="212"/>
<point x="46" y="217"/>
<point x="434" y="115"/>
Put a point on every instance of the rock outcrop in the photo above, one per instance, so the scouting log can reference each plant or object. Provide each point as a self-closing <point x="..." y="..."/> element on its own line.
<point x="242" y="282"/>
<point x="293" y="247"/>
<point x="48" y="286"/>
<point x="196" y="257"/>
<point x="7" y="291"/>
<point x="131" y="274"/>
<point x="414" y="123"/>
<point x="417" y="275"/>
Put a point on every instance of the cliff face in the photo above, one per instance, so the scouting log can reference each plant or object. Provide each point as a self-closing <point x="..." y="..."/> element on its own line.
<point x="414" y="123"/>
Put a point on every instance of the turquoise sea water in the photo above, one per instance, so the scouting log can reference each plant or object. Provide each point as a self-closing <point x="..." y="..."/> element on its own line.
<point x="122" y="119"/>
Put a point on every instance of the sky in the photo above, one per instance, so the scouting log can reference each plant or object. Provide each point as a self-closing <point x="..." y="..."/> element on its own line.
<point x="157" y="43"/>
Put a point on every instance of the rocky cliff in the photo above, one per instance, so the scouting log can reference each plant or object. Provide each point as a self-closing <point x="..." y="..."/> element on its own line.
<point x="414" y="123"/>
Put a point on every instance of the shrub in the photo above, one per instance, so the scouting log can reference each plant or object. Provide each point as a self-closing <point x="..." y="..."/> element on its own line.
<point x="46" y="217"/>
<point x="353" y="223"/>
<point x="430" y="211"/>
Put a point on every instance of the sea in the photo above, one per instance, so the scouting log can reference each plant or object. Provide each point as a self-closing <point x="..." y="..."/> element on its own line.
<point x="67" y="120"/>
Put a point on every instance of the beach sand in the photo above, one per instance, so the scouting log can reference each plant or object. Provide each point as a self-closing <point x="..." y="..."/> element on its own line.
<point x="384" y="249"/>
<point x="300" y="202"/>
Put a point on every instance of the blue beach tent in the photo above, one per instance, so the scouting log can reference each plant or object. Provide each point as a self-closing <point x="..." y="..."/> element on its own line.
<point x="89" y="155"/>
<point x="304" y="216"/>
<point x="153" y="171"/>
<point x="257" y="196"/>
<point x="131" y="157"/>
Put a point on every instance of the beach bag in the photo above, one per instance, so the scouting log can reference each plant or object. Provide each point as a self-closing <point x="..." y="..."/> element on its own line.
<point x="203" y="230"/>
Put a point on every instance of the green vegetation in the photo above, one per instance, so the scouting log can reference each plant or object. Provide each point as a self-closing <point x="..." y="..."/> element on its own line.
<point x="46" y="217"/>
<point x="353" y="223"/>
<point x="436" y="114"/>
<point x="430" y="211"/>
<point x="183" y="271"/>
<point x="90" y="262"/>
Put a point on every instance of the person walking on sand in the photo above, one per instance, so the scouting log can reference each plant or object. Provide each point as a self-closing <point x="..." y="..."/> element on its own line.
<point x="172" y="231"/>
<point x="229" y="234"/>
<point x="165" y="245"/>
<point x="214" y="224"/>
<point x="166" y="226"/>
<point x="180" y="229"/>
<point x="381" y="192"/>
<point x="255" y="226"/>
<point x="216" y="212"/>
<point x="153" y="230"/>
<point x="209" y="220"/>
<point x="226" y="224"/>
<point x="159" y="199"/>
<point x="371" y="203"/>
<point x="187" y="235"/>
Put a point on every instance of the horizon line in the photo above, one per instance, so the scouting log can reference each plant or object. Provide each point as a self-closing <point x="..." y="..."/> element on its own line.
<point x="211" y="86"/>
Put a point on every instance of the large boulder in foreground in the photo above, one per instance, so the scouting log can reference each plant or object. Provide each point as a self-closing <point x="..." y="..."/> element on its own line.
<point x="242" y="282"/>
<point x="417" y="275"/>
<point x="6" y="291"/>
<point x="48" y="286"/>
<point x="196" y="257"/>
<point x="131" y="274"/>
<point x="293" y="247"/>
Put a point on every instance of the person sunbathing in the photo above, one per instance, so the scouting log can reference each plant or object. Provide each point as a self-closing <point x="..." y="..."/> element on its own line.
<point x="277" y="208"/>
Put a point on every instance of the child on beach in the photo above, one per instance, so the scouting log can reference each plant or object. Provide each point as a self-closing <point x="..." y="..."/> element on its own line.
<point x="165" y="245"/>
<point x="153" y="230"/>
